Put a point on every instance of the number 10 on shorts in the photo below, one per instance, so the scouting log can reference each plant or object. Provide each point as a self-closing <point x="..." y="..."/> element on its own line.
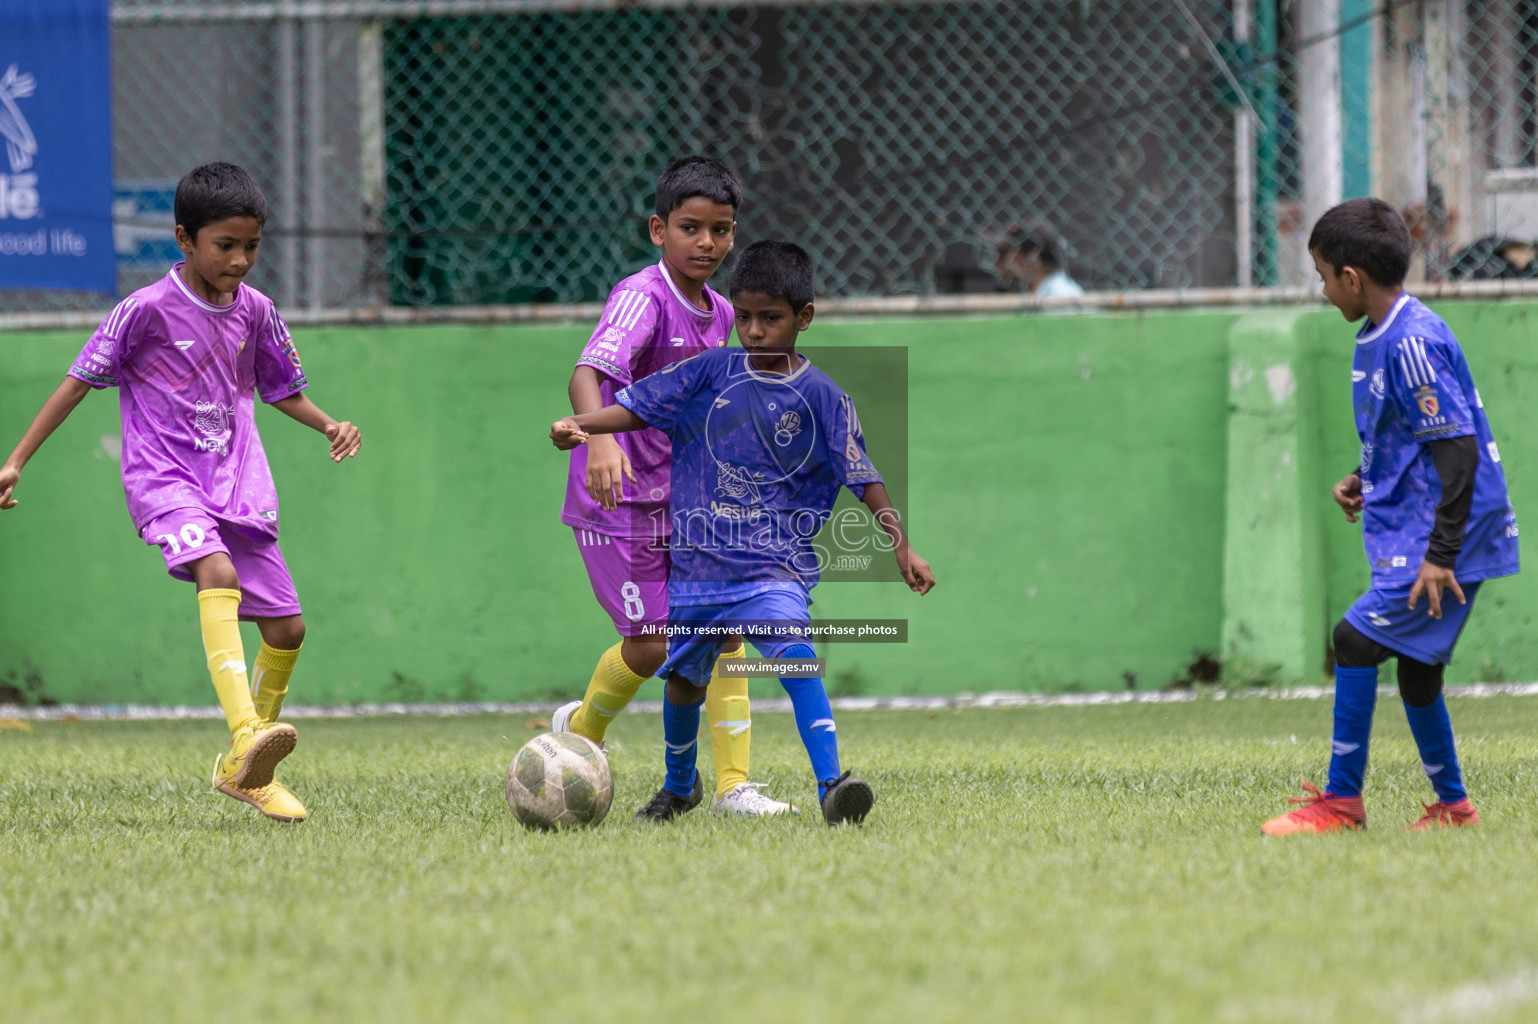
<point x="191" y="535"/>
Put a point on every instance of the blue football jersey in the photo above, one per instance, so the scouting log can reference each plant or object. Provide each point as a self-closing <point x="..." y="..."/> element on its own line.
<point x="758" y="460"/>
<point x="1410" y="386"/>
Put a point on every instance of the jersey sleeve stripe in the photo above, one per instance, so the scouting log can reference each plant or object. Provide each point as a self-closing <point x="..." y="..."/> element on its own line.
<point x="110" y="324"/>
<point x="616" y="303"/>
<point x="635" y="314"/>
<point x="1413" y="364"/>
<point x="621" y="306"/>
<point x="1420" y="344"/>
<point x="118" y="318"/>
<point x="623" y="312"/>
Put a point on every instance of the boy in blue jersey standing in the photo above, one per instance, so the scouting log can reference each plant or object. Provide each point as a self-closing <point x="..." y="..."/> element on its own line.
<point x="762" y="440"/>
<point x="1437" y="523"/>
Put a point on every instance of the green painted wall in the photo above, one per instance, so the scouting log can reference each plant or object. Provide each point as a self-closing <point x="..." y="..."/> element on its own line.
<point x="1066" y="479"/>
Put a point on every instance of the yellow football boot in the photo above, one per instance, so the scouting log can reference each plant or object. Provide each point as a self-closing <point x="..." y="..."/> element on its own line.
<point x="253" y="755"/>
<point x="274" y="800"/>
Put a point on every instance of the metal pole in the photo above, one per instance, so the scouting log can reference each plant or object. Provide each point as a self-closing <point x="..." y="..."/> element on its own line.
<point x="1319" y="117"/>
<point x="288" y="169"/>
<point x="315" y="152"/>
<point x="1266" y="183"/>
<point x="1356" y="72"/>
<point x="1244" y="165"/>
<point x="374" y="278"/>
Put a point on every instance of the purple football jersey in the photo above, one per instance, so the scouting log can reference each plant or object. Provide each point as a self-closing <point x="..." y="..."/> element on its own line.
<point x="185" y="370"/>
<point x="646" y="325"/>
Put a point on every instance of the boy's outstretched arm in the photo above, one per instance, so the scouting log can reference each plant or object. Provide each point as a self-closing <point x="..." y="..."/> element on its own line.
<point x="345" y="439"/>
<point x="916" y="571"/>
<point x="569" y="431"/>
<point x="54" y="412"/>
<point x="607" y="464"/>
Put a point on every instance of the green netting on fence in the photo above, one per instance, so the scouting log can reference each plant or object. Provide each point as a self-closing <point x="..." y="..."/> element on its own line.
<point x="466" y="151"/>
<point x="886" y="138"/>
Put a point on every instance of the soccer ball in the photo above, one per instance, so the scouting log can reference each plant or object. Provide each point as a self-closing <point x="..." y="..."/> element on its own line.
<point x="559" y="780"/>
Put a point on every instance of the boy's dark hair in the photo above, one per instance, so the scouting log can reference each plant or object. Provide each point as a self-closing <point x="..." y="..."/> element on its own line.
<point x="780" y="270"/>
<point x="688" y="176"/>
<point x="1034" y="237"/>
<point x="1367" y="234"/>
<point x="215" y="191"/>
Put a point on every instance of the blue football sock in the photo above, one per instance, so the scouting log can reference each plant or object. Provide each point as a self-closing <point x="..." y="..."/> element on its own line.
<point x="1433" y="732"/>
<point x="814" y="720"/>
<point x="1356" y="692"/>
<point x="681" y="734"/>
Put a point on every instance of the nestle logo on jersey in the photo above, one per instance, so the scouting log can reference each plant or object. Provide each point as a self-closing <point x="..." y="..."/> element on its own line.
<point x="734" y="511"/>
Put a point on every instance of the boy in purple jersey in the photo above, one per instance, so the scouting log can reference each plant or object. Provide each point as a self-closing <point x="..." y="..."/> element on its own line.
<point x="653" y="319"/>
<point x="186" y="354"/>
<point x="761" y="441"/>
<point x="1436" y="520"/>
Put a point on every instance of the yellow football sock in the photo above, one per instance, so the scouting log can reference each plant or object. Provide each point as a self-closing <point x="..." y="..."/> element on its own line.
<point x="269" y="680"/>
<point x="217" y="610"/>
<point x="612" y="687"/>
<point x="731" y="726"/>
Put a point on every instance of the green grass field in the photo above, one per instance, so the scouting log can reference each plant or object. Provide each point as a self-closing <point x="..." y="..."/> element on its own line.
<point x="1054" y="864"/>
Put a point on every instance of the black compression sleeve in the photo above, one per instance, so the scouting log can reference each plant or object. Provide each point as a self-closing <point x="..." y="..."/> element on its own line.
<point x="1456" y="460"/>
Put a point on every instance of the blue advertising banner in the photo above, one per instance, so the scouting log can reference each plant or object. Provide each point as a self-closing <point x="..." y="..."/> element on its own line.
<point x="56" y="137"/>
<point x="144" y="224"/>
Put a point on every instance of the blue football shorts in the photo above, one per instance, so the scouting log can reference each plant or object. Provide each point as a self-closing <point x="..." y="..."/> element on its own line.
<point x="1382" y="615"/>
<point x="769" y="621"/>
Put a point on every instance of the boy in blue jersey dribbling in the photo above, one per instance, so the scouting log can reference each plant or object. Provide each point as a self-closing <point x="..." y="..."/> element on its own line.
<point x="1437" y="523"/>
<point x="762" y="440"/>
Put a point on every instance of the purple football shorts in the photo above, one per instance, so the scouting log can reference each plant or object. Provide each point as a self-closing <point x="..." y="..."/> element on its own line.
<point x="630" y="580"/>
<point x="187" y="534"/>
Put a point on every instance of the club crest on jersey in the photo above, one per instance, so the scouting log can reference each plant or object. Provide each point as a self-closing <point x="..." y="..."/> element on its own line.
<point x="787" y="428"/>
<point x="1376" y="386"/>
<point x="212" y="420"/>
<point x="1426" y="399"/>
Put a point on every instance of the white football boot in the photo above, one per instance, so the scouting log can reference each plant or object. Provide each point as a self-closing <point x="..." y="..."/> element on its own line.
<point x="560" y="720"/>
<point x="746" y="801"/>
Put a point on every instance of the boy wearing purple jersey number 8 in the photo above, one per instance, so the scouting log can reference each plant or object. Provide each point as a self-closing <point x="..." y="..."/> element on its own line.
<point x="617" y="487"/>
<point x="186" y="353"/>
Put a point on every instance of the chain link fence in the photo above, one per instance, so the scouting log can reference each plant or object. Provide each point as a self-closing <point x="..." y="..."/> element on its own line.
<point x="468" y="152"/>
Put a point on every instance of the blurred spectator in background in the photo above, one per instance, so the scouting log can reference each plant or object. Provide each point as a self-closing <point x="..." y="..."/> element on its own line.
<point x="957" y="272"/>
<point x="1031" y="259"/>
<point x="1493" y="258"/>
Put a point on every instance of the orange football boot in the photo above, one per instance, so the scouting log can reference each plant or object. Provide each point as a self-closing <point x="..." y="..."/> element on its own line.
<point x="1321" y="812"/>
<point x="1441" y="815"/>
